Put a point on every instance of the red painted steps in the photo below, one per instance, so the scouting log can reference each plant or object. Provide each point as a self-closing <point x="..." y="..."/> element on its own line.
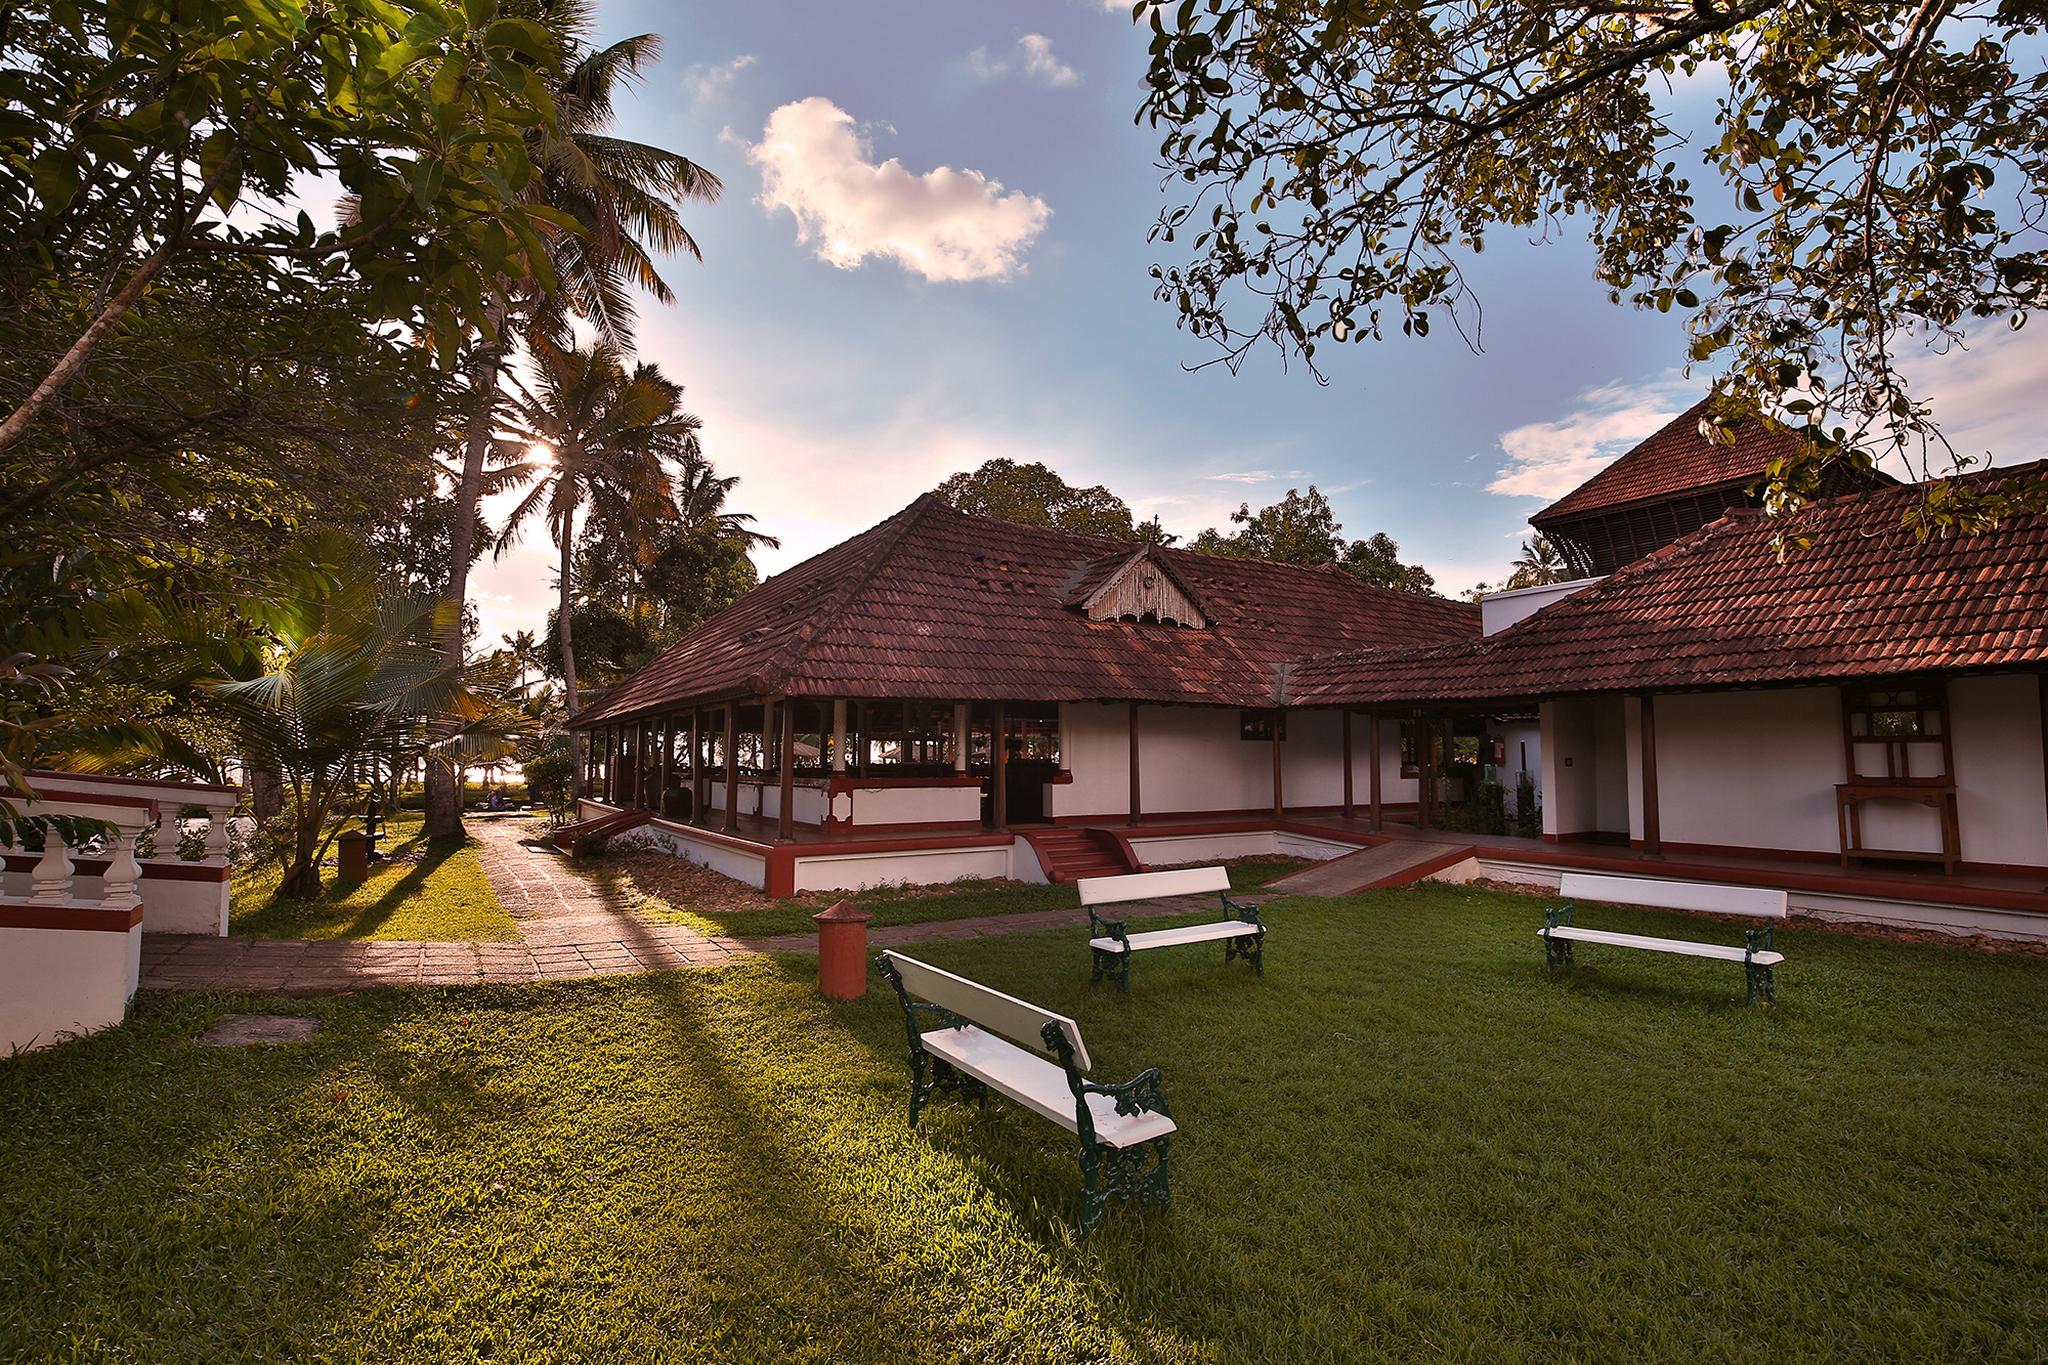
<point x="1068" y="853"/>
<point x="584" y="835"/>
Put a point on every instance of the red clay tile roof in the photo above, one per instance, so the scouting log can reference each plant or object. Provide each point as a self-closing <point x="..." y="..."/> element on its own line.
<point x="936" y="605"/>
<point x="1675" y="459"/>
<point x="1717" y="609"/>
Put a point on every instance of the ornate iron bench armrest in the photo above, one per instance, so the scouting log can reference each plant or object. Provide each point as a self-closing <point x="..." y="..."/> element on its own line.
<point x="1144" y="1093"/>
<point x="1098" y="927"/>
<point x="1237" y="910"/>
<point x="1557" y="952"/>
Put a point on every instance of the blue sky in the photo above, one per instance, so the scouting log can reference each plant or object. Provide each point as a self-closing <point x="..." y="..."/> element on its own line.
<point x="932" y="250"/>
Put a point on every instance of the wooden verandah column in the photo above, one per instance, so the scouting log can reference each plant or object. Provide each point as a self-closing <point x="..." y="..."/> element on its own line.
<point x="732" y="767"/>
<point x="1349" y="804"/>
<point x="1279" y="782"/>
<point x="786" y="813"/>
<point x="999" y="765"/>
<point x="1653" y="831"/>
<point x="1372" y="772"/>
<point x="1137" y="801"/>
<point x="697" y="791"/>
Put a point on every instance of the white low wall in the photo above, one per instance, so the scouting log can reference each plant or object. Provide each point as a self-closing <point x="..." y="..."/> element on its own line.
<point x="916" y="867"/>
<point x="681" y="842"/>
<point x="1174" y="849"/>
<point x="907" y="805"/>
<point x="61" y="983"/>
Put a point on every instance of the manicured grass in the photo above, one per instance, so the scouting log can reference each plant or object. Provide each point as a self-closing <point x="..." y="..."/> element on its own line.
<point x="430" y="889"/>
<point x="1401" y="1142"/>
<point x="653" y="885"/>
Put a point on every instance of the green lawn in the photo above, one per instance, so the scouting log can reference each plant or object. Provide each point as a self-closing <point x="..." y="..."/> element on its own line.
<point x="1402" y="1142"/>
<point x="653" y="885"/>
<point x="431" y="889"/>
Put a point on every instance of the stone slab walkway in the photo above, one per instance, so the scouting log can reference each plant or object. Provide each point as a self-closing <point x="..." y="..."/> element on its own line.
<point x="567" y="929"/>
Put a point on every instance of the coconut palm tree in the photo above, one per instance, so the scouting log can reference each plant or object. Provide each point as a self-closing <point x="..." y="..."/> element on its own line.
<point x="1539" y="563"/>
<point x="523" y="648"/>
<point x="590" y="431"/>
<point x="624" y="197"/>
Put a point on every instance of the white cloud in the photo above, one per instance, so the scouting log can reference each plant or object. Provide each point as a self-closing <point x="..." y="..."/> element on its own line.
<point x="1988" y="398"/>
<point x="709" y="84"/>
<point x="1032" y="59"/>
<point x="945" y="224"/>
<point x="1549" y="459"/>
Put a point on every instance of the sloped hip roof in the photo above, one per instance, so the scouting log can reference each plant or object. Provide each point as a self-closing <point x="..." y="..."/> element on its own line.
<point x="933" y="604"/>
<point x="1721" y="608"/>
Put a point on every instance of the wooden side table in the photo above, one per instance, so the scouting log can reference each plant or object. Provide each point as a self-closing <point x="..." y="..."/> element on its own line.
<point x="1938" y="795"/>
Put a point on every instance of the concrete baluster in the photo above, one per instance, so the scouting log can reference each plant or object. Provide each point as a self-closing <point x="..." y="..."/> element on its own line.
<point x="50" y="882"/>
<point x="217" y="818"/>
<point x="121" y="885"/>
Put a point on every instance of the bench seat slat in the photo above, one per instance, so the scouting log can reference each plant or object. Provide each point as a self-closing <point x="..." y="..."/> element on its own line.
<point x="1004" y="1014"/>
<point x="1187" y="933"/>
<point x="1709" y="897"/>
<point x="1685" y="947"/>
<point x="1145" y="886"/>
<point x="1039" y="1085"/>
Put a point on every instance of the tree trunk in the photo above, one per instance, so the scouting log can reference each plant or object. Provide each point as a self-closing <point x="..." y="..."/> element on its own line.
<point x="569" y="658"/>
<point x="266" y="793"/>
<point x="444" y="786"/>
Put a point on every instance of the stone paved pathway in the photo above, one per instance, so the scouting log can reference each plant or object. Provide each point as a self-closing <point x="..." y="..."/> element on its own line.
<point x="567" y="929"/>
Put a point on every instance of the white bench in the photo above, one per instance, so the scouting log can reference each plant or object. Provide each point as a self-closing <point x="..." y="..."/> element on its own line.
<point x="974" y="1049"/>
<point x="1757" y="956"/>
<point x="1110" y="945"/>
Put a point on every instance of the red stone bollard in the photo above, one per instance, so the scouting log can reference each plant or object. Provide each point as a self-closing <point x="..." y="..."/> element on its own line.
<point x="353" y="854"/>
<point x="842" y="951"/>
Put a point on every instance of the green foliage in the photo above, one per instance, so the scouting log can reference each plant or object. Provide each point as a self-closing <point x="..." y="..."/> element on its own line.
<point x="1034" y="495"/>
<point x="1302" y="529"/>
<point x="1876" y="181"/>
<point x="135" y="128"/>
<point x="1528" y="822"/>
<point x="548" y="774"/>
<point x="1539" y="563"/>
<point x="713" y="1165"/>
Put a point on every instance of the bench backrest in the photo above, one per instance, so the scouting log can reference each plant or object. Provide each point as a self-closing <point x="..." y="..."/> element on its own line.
<point x="1706" y="897"/>
<point x="1018" y="1020"/>
<point x="1145" y="886"/>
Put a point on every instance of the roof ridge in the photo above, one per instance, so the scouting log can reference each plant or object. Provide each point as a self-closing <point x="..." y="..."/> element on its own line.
<point x="779" y="663"/>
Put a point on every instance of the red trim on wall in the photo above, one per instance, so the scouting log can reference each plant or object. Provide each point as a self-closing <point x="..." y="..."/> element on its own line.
<point x="147" y="803"/>
<point x="22" y="915"/>
<point x="155" y="872"/>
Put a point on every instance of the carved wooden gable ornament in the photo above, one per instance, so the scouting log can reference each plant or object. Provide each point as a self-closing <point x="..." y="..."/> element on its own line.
<point x="1143" y="589"/>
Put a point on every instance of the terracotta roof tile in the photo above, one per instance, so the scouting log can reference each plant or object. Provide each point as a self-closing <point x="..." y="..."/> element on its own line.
<point x="934" y="604"/>
<point x="1718" y="609"/>
<point x="1674" y="459"/>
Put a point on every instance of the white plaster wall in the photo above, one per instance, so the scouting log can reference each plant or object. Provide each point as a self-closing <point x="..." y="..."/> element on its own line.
<point x="807" y="797"/>
<point x="1499" y="610"/>
<point x="1750" y="769"/>
<point x="916" y="805"/>
<point x="1998" y="757"/>
<point x="1570" y="767"/>
<point x="1095" y="749"/>
<point x="58" y="983"/>
<point x="1613" y="761"/>
<point x="677" y="841"/>
<point x="913" y="867"/>
<point x="183" y="907"/>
